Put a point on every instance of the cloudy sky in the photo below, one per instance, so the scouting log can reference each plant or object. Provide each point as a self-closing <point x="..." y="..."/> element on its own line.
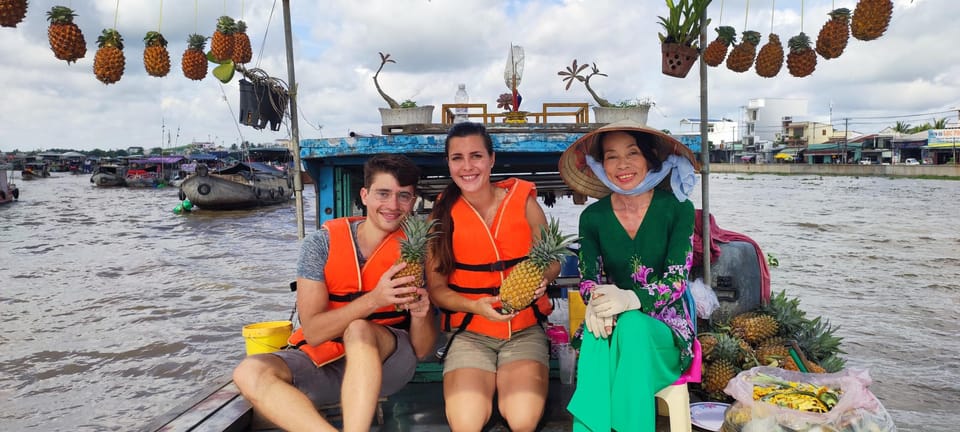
<point x="911" y="74"/>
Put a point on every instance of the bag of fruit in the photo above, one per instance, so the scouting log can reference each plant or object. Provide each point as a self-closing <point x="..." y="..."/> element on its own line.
<point x="773" y="399"/>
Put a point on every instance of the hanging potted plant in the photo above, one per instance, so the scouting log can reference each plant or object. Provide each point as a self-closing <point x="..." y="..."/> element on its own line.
<point x="400" y="114"/>
<point x="606" y="112"/>
<point x="678" y="42"/>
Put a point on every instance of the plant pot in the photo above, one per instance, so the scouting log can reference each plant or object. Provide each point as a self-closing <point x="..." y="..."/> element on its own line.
<point x="612" y="114"/>
<point x="677" y="59"/>
<point x="515" y="117"/>
<point x="405" y="116"/>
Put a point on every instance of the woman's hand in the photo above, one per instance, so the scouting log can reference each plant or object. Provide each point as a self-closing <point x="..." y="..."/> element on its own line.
<point x="419" y="305"/>
<point x="484" y="307"/>
<point x="541" y="289"/>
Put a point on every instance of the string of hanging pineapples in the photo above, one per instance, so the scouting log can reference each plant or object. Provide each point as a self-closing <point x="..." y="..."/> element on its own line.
<point x="229" y="43"/>
<point x="764" y="337"/>
<point x="869" y="21"/>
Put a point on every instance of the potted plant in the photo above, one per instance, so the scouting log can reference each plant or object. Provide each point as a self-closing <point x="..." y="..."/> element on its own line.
<point x="678" y="42"/>
<point x="400" y="114"/>
<point x="606" y="112"/>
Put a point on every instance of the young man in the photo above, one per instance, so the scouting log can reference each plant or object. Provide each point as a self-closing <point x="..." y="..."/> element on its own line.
<point x="361" y="332"/>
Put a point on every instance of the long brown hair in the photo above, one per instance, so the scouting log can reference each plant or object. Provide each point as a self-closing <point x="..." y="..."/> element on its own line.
<point x="442" y="246"/>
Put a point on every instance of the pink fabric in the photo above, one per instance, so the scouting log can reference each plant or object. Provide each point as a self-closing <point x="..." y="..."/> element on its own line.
<point x="693" y="372"/>
<point x="721" y="235"/>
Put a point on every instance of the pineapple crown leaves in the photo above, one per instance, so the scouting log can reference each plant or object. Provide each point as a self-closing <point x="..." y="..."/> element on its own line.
<point x="727" y="34"/>
<point x="751" y="36"/>
<point x="110" y="37"/>
<point x="418" y="233"/>
<point x="60" y="15"/>
<point x="799" y="43"/>
<point x="196" y="42"/>
<point x="840" y="13"/>
<point x="154" y="39"/>
<point x="241" y="26"/>
<point x="572" y="73"/>
<point x="226" y="25"/>
<point x="551" y="246"/>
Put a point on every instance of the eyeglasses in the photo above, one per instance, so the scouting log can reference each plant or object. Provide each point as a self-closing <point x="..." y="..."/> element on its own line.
<point x="403" y="197"/>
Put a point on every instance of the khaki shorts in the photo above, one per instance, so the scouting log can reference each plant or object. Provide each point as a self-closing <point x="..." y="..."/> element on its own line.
<point x="472" y="350"/>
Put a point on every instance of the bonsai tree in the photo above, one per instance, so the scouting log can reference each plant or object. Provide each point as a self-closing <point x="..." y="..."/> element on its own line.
<point x="682" y="25"/>
<point x="572" y="73"/>
<point x="384" y="59"/>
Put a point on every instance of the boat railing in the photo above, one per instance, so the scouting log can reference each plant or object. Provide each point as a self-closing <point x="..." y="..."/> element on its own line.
<point x="579" y="111"/>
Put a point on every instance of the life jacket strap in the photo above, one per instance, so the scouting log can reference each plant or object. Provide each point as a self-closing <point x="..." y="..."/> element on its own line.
<point x="490" y="267"/>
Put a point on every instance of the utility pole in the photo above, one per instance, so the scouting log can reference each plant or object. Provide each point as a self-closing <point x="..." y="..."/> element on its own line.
<point x="846" y="136"/>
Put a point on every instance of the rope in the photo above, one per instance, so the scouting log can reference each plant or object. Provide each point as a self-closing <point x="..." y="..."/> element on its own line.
<point x="224" y="7"/>
<point x="160" y="23"/>
<point x="196" y="14"/>
<point x="801" y="16"/>
<point x="720" y="22"/>
<point x="266" y="31"/>
<point x="241" y="8"/>
<point x="772" y="11"/>
<point x="746" y="13"/>
<point x="116" y="13"/>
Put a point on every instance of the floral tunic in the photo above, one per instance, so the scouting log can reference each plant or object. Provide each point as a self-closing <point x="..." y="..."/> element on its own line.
<point x="654" y="264"/>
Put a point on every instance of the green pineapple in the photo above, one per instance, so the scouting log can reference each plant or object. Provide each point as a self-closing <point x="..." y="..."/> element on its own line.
<point x="787" y="313"/>
<point x="413" y="248"/>
<point x="723" y="368"/>
<point x="817" y="341"/>
<point x="517" y="289"/>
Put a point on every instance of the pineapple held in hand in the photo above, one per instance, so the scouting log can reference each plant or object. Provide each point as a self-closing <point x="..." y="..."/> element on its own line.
<point x="413" y="249"/>
<point x="517" y="290"/>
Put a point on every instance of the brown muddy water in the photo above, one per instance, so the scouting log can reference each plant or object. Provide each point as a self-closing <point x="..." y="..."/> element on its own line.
<point x="115" y="310"/>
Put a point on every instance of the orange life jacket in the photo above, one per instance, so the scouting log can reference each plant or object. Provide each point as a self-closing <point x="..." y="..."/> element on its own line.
<point x="486" y="255"/>
<point x="346" y="282"/>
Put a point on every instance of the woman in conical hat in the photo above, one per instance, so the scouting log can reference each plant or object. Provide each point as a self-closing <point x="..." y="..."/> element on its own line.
<point x="635" y="255"/>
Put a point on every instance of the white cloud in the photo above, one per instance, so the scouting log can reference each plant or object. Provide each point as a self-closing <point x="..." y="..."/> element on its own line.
<point x="912" y="69"/>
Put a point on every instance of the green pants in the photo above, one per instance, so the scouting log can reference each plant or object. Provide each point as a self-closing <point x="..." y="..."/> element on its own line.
<point x="617" y="378"/>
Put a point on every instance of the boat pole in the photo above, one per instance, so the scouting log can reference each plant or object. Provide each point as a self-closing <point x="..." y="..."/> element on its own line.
<point x="704" y="153"/>
<point x="294" y="128"/>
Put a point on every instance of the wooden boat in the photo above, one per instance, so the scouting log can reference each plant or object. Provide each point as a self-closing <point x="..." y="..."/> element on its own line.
<point x="109" y="175"/>
<point x="241" y="186"/>
<point x="8" y="191"/>
<point x="141" y="178"/>
<point x="35" y="170"/>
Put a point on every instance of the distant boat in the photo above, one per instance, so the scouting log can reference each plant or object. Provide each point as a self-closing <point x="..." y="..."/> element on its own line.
<point x="109" y="175"/>
<point x="241" y="186"/>
<point x="8" y="191"/>
<point x="34" y="170"/>
<point x="141" y="178"/>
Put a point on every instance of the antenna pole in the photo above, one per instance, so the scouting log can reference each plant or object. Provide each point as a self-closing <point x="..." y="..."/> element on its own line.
<point x="294" y="128"/>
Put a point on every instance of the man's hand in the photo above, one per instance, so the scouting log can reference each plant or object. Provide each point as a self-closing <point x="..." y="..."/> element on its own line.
<point x="418" y="308"/>
<point x="391" y="291"/>
<point x="609" y="300"/>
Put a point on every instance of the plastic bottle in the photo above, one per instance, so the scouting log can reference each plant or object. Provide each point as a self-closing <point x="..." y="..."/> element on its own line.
<point x="460" y="113"/>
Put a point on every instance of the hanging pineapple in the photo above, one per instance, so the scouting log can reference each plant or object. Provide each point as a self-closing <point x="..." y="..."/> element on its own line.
<point x="870" y="19"/>
<point x="66" y="39"/>
<point x="12" y="12"/>
<point x="413" y="249"/>
<point x="109" y="62"/>
<point x="834" y="35"/>
<point x="717" y="50"/>
<point x="156" y="59"/>
<point x="516" y="291"/>
<point x="741" y="57"/>
<point x="242" y="53"/>
<point x="770" y="58"/>
<point x="802" y="60"/>
<point x="194" y="62"/>
<point x="221" y="44"/>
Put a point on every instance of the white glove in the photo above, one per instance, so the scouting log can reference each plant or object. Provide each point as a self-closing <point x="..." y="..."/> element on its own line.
<point x="609" y="300"/>
<point x="600" y="327"/>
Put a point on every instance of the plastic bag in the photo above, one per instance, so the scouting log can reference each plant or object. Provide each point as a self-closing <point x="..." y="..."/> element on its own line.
<point x="704" y="297"/>
<point x="858" y="410"/>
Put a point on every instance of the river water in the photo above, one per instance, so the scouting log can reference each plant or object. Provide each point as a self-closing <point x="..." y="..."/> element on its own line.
<point x="115" y="310"/>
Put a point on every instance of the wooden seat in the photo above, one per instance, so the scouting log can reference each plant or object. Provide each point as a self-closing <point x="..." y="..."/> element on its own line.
<point x="674" y="402"/>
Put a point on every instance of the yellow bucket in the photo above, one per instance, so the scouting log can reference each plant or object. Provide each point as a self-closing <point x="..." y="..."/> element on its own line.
<point x="266" y="337"/>
<point x="576" y="309"/>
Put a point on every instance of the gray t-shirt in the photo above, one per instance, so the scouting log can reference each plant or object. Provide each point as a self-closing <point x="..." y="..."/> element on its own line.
<point x="316" y="249"/>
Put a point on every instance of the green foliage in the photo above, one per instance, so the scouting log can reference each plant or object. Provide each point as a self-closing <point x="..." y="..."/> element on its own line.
<point x="408" y="104"/>
<point x="682" y="25"/>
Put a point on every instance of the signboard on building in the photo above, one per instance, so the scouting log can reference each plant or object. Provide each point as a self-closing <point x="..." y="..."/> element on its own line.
<point x="943" y="137"/>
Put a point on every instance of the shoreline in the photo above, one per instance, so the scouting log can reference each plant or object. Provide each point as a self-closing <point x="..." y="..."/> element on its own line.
<point x="937" y="172"/>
